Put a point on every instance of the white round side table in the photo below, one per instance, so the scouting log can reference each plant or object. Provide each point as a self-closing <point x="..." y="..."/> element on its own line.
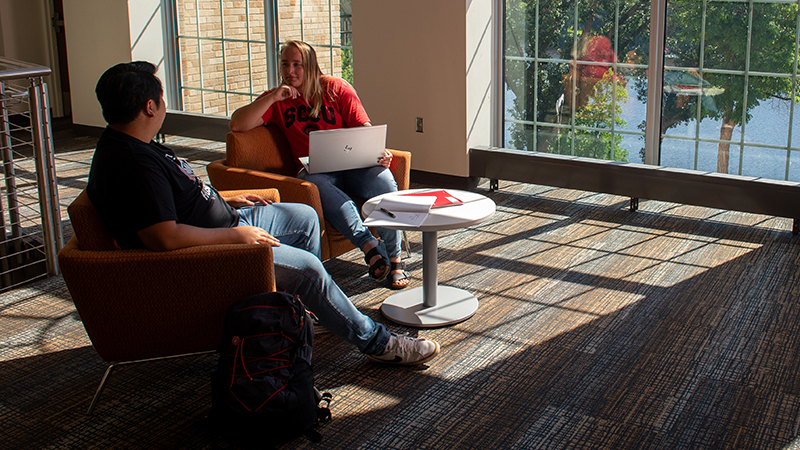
<point x="433" y="305"/>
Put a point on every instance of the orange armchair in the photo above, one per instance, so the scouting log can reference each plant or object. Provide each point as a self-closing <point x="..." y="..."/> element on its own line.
<point x="262" y="158"/>
<point x="138" y="305"/>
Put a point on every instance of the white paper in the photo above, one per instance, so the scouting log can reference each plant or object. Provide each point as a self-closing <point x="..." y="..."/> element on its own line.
<point x="401" y="203"/>
<point x="401" y="219"/>
<point x="407" y="211"/>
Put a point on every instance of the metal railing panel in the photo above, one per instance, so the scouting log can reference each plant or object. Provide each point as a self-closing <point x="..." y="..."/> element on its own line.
<point x="30" y="217"/>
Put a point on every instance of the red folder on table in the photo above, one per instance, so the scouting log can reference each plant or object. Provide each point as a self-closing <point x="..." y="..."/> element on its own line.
<point x="443" y="198"/>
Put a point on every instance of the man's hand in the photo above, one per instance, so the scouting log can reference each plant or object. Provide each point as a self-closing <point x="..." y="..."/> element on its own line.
<point x="247" y="200"/>
<point x="169" y="235"/>
<point x="255" y="235"/>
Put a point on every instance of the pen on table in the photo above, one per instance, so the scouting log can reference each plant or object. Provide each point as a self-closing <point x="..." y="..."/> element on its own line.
<point x="391" y="214"/>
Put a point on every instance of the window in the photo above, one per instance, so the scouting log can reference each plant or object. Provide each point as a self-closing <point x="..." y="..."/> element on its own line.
<point x="576" y="82"/>
<point x="730" y="88"/>
<point x="227" y="50"/>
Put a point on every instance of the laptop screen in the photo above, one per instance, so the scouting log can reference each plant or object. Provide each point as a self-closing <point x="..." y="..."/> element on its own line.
<point x="345" y="148"/>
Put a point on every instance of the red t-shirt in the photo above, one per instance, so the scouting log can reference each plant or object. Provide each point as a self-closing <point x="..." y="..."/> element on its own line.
<point x="341" y="109"/>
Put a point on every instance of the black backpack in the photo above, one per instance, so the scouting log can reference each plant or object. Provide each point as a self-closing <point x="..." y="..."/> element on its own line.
<point x="262" y="392"/>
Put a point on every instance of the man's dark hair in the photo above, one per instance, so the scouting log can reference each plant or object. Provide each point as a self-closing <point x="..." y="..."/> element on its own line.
<point x="123" y="91"/>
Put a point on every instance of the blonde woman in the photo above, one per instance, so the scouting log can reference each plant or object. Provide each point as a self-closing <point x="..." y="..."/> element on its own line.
<point x="307" y="101"/>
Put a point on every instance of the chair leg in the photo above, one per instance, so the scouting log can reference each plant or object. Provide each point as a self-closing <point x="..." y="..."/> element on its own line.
<point x="406" y="244"/>
<point x="100" y="388"/>
<point x="113" y="366"/>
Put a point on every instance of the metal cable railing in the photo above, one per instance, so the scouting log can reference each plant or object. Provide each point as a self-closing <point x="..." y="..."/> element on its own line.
<point x="30" y="219"/>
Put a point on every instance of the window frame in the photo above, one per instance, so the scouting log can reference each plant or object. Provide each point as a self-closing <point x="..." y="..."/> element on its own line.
<point x="174" y="88"/>
<point x="656" y="67"/>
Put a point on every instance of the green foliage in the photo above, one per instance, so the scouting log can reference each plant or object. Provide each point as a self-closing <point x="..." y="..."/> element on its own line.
<point x="772" y="51"/>
<point x="347" y="64"/>
<point x="539" y="86"/>
<point x="553" y="30"/>
<point x="598" y="115"/>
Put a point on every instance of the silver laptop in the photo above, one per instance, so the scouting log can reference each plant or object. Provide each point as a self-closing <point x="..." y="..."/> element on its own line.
<point x="345" y="148"/>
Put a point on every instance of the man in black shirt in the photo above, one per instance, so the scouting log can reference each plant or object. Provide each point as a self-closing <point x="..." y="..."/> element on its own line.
<point x="148" y="198"/>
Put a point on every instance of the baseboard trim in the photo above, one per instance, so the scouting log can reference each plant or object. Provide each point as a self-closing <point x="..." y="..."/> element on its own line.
<point x="444" y="181"/>
<point x="638" y="181"/>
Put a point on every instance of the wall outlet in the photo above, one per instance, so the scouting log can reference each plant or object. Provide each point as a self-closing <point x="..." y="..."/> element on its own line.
<point x="419" y="124"/>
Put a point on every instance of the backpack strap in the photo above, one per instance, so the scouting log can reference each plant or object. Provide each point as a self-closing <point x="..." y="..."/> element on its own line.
<point x="323" y="414"/>
<point x="323" y="405"/>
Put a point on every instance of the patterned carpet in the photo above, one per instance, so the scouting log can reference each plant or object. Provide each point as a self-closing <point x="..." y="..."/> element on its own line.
<point x="674" y="327"/>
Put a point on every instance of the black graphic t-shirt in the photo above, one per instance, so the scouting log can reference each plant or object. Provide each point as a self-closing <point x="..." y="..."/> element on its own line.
<point x="134" y="185"/>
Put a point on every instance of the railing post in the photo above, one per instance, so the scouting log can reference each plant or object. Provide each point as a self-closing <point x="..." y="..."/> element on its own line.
<point x="43" y="149"/>
<point x="11" y="191"/>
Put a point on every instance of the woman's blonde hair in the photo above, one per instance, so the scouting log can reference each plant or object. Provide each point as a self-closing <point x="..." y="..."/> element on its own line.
<point x="312" y="75"/>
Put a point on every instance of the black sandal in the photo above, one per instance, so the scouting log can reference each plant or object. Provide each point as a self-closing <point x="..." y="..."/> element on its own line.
<point x="395" y="279"/>
<point x="379" y="268"/>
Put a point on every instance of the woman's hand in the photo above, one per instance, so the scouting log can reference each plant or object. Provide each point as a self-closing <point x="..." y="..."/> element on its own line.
<point x="386" y="161"/>
<point x="284" y="92"/>
<point x="247" y="200"/>
<point x="250" y="116"/>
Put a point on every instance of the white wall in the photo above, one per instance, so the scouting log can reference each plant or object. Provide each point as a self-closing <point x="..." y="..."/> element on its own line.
<point x="482" y="59"/>
<point x="426" y="59"/>
<point x="26" y="35"/>
<point x="147" y="33"/>
<point x="97" y="38"/>
<point x="101" y="34"/>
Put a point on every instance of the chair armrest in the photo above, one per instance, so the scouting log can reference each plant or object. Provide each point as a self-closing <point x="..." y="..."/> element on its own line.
<point x="401" y="168"/>
<point x="269" y="194"/>
<point x="291" y="189"/>
<point x="131" y="300"/>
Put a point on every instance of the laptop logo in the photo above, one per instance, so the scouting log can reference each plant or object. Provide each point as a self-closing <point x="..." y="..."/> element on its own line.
<point x="347" y="148"/>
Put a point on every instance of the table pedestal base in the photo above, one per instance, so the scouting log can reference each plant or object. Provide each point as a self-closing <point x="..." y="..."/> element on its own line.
<point x="453" y="305"/>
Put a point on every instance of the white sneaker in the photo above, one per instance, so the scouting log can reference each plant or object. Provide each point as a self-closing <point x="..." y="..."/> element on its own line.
<point x="406" y="350"/>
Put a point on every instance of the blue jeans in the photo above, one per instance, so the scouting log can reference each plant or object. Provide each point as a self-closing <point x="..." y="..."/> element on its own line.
<point x="299" y="271"/>
<point x="335" y="192"/>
